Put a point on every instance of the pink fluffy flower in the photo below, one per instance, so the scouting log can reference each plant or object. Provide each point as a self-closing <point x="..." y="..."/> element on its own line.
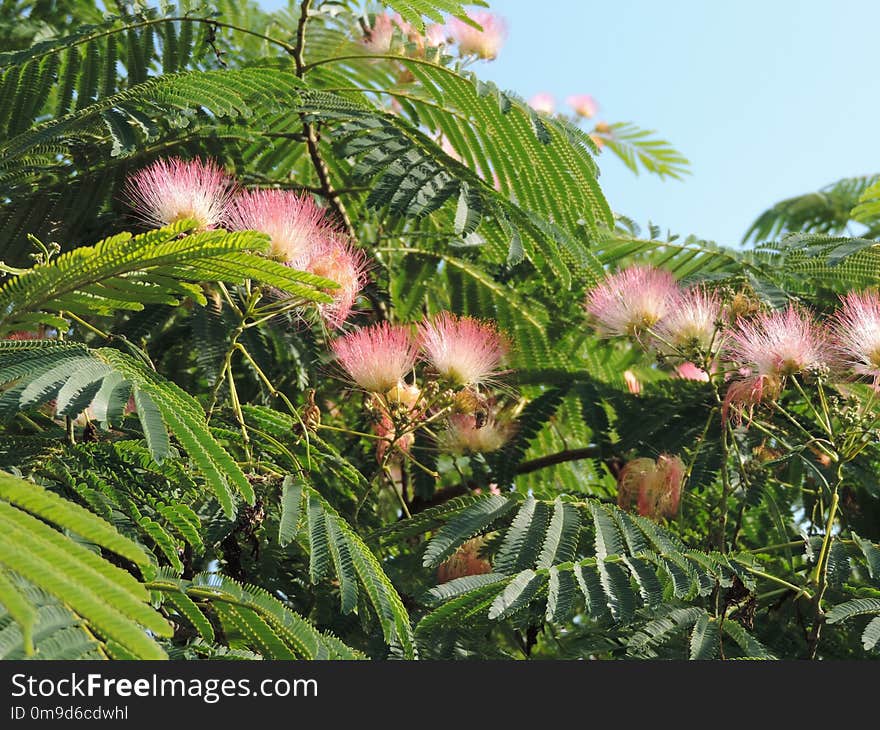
<point x="857" y="334"/>
<point x="377" y="357"/>
<point x="402" y="444"/>
<point x="172" y="189"/>
<point x="435" y="35"/>
<point x="463" y="350"/>
<point x="689" y="371"/>
<point x="633" y="385"/>
<point x="22" y="335"/>
<point x="781" y="343"/>
<point x="464" y="561"/>
<point x="689" y="323"/>
<point x="465" y="434"/>
<point x="654" y="486"/>
<point x="295" y="223"/>
<point x="633" y="476"/>
<point x="631" y="300"/>
<point x="543" y="102"/>
<point x="584" y="105"/>
<point x="377" y="38"/>
<point x="483" y="44"/>
<point x="337" y="260"/>
<point x="671" y="472"/>
<point x="745" y="394"/>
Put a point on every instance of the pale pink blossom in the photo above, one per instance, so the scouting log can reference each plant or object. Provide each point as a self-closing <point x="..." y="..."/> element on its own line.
<point x="671" y="473"/>
<point x="463" y="350"/>
<point x="377" y="38"/>
<point x="172" y="189"/>
<point x="632" y="300"/>
<point x="632" y="382"/>
<point x="464" y="561"/>
<point x="407" y="28"/>
<point x="857" y="334"/>
<point x="377" y="357"/>
<point x="632" y="481"/>
<point x="483" y="43"/>
<point x="404" y="393"/>
<point x="436" y="35"/>
<point x="295" y="223"/>
<point x="385" y="429"/>
<point x="690" y="323"/>
<point x="543" y="102"/>
<point x="654" y="486"/>
<point x="339" y="261"/>
<point x="745" y="394"/>
<point x="22" y="335"/>
<point x="465" y="434"/>
<point x="584" y="105"/>
<point x="689" y="371"/>
<point x="779" y="343"/>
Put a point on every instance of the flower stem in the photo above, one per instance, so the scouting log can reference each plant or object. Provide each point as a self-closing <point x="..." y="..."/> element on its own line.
<point x="820" y="574"/>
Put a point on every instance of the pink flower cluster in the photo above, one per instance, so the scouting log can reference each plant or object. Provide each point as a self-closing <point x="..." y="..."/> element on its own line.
<point x="653" y="486"/>
<point x="468" y="433"/>
<point x="632" y="301"/>
<point x="462" y="350"/>
<point x="761" y="350"/>
<point x="485" y="44"/>
<point x="171" y="190"/>
<point x="583" y="105"/>
<point x="464" y="561"/>
<point x="647" y="304"/>
<point x="300" y="233"/>
<point x="458" y="352"/>
<point x="378" y="36"/>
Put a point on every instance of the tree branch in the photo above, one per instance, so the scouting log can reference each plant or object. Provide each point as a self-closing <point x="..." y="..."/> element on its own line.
<point x="589" y="452"/>
<point x="325" y="186"/>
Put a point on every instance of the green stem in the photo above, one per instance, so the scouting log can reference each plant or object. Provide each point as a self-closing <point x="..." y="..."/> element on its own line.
<point x="88" y="326"/>
<point x="812" y="439"/>
<point x="725" y="491"/>
<point x="275" y="393"/>
<point x="799" y="591"/>
<point x="239" y="414"/>
<point x="820" y="575"/>
<point x="404" y="506"/>
<point x="826" y="427"/>
<point x="777" y="546"/>
<point x="352" y="433"/>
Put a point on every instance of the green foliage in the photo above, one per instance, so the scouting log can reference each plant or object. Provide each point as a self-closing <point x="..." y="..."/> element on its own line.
<point x="191" y="476"/>
<point x="109" y="599"/>
<point x="76" y="377"/>
<point x="253" y="617"/>
<point x="413" y="11"/>
<point x="829" y="210"/>
<point x="126" y="272"/>
<point x="867" y="210"/>
<point x="639" y="149"/>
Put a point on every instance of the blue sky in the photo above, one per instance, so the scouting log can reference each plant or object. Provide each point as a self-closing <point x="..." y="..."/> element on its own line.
<point x="768" y="99"/>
